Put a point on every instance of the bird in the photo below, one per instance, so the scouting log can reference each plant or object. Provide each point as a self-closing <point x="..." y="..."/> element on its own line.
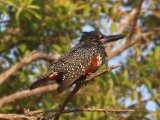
<point x="78" y="63"/>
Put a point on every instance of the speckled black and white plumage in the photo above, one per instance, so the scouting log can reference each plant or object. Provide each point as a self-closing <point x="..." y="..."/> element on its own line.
<point x="75" y="63"/>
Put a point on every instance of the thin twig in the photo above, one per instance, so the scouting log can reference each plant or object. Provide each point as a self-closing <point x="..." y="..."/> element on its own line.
<point x="69" y="110"/>
<point x="91" y="77"/>
<point x="79" y="84"/>
<point x="34" y="115"/>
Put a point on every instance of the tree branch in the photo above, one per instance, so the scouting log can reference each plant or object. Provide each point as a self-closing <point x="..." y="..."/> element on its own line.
<point x="126" y="21"/>
<point x="131" y="18"/>
<point x="26" y="60"/>
<point x="26" y="93"/>
<point x="34" y="115"/>
<point x="122" y="48"/>
<point x="69" y="110"/>
<point x="133" y="21"/>
<point x="130" y="43"/>
<point x="16" y="117"/>
<point x="93" y="76"/>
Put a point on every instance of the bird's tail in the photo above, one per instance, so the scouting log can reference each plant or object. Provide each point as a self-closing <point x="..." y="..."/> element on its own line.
<point x="39" y="82"/>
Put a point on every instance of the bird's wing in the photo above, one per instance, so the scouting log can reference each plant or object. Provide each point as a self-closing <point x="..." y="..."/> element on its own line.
<point x="75" y="67"/>
<point x="69" y="78"/>
<point x="54" y="66"/>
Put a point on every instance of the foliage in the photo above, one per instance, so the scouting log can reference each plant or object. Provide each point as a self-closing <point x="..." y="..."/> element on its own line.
<point x="51" y="25"/>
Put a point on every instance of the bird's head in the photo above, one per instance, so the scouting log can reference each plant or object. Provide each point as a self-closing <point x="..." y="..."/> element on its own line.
<point x="97" y="37"/>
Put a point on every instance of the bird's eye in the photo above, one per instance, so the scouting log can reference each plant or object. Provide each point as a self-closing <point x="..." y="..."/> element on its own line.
<point x="100" y="36"/>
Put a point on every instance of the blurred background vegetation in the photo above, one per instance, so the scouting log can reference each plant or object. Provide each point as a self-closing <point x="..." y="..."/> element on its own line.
<point x="54" y="26"/>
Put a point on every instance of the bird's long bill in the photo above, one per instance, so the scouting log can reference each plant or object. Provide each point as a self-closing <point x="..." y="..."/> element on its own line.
<point x="112" y="38"/>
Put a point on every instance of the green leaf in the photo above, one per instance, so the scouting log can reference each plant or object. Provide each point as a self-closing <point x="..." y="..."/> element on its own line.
<point x="147" y="82"/>
<point x="36" y="14"/>
<point x="157" y="53"/>
<point x="18" y="14"/>
<point x="113" y="27"/>
<point x="23" y="47"/>
<point x="28" y="2"/>
<point x="86" y="10"/>
<point x="105" y="7"/>
<point x="12" y="3"/>
<point x="34" y="7"/>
